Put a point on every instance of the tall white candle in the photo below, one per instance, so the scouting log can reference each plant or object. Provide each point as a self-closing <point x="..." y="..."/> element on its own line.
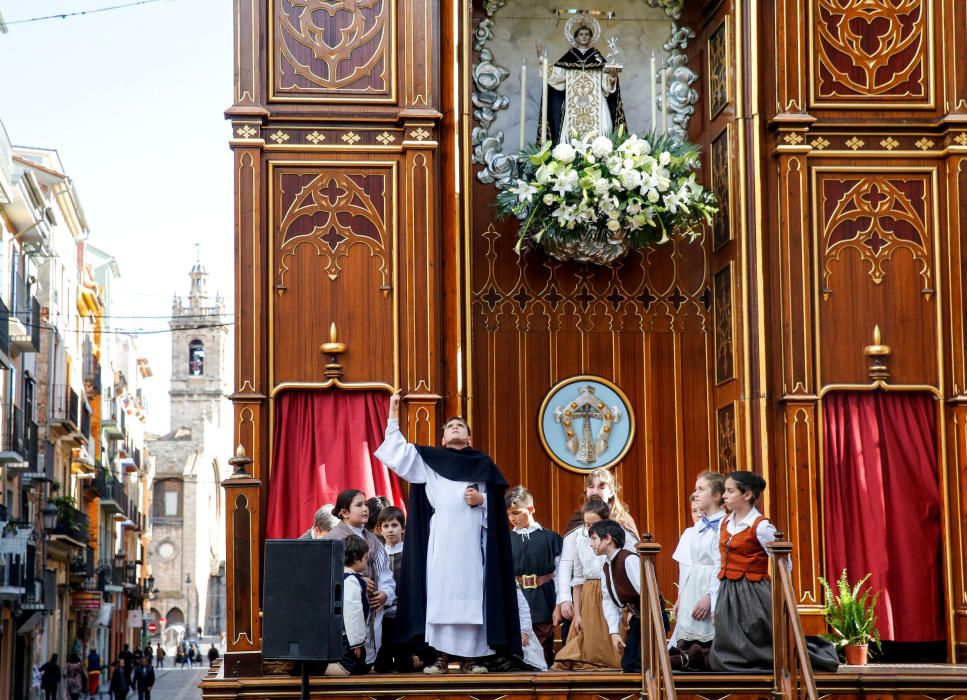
<point x="544" y="130"/>
<point x="523" y="103"/>
<point x="664" y="101"/>
<point x="654" y="97"/>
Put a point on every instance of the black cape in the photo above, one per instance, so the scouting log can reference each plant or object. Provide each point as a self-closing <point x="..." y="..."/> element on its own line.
<point x="500" y="593"/>
<point x="575" y="60"/>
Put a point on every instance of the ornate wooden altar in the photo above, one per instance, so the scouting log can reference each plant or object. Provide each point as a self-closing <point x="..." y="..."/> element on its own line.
<point x="364" y="185"/>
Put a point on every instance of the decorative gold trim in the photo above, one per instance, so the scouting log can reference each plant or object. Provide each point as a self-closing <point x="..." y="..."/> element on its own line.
<point x="875" y="102"/>
<point x="586" y="378"/>
<point x="392" y="48"/>
<point x="331" y="384"/>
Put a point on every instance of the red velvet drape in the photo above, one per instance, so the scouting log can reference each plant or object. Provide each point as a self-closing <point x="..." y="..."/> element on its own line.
<point x="324" y="444"/>
<point x="882" y="505"/>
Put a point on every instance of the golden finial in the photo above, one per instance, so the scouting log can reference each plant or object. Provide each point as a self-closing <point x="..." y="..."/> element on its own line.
<point x="240" y="462"/>
<point x="334" y="349"/>
<point x="877" y="353"/>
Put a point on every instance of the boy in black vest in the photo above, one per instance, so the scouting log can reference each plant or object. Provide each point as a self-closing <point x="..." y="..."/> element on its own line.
<point x="356" y="618"/>
<point x="536" y="552"/>
<point x="621" y="589"/>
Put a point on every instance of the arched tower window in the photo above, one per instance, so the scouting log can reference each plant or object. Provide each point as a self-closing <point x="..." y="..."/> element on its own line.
<point x="196" y="358"/>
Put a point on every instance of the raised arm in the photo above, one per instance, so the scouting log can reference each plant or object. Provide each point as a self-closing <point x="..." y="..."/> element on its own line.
<point x="395" y="452"/>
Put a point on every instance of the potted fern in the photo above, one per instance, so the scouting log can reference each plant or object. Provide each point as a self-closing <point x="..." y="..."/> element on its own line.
<point x="852" y="618"/>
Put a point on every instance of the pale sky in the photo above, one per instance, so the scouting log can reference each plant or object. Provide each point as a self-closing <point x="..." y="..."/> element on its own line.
<point x="133" y="100"/>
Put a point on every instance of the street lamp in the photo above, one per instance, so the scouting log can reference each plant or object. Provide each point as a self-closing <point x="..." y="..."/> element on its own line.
<point x="49" y="513"/>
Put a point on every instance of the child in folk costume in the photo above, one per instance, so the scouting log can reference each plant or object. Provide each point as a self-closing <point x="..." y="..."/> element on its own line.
<point x="588" y="645"/>
<point x="742" y="591"/>
<point x="621" y="590"/>
<point x="353" y="514"/>
<point x="696" y="555"/>
<point x="599" y="483"/>
<point x="356" y="611"/>
<point x="536" y="552"/>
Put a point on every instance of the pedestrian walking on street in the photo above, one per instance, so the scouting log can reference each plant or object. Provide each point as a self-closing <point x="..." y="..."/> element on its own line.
<point x="74" y="677"/>
<point x="50" y="678"/>
<point x="93" y="671"/>
<point x="144" y="679"/>
<point x="119" y="680"/>
<point x="127" y="657"/>
<point x="212" y="655"/>
<point x="160" y="657"/>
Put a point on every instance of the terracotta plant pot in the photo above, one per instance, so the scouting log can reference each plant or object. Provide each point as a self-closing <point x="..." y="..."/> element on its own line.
<point x="856" y="654"/>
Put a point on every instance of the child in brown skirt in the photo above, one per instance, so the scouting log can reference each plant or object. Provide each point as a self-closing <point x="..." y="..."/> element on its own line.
<point x="588" y="645"/>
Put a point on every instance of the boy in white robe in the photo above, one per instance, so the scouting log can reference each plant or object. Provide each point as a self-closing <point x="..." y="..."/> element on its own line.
<point x="457" y="584"/>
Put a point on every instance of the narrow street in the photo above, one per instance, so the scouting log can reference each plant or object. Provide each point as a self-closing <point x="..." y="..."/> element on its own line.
<point x="176" y="684"/>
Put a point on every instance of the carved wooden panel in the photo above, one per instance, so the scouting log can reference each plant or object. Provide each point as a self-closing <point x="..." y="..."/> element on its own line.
<point x="333" y="50"/>
<point x="872" y="53"/>
<point x="719" y="69"/>
<point x="643" y="325"/>
<point x="726" y="448"/>
<point x="722" y="302"/>
<point x="719" y="158"/>
<point x="876" y="264"/>
<point x="334" y="229"/>
<point x="243" y="530"/>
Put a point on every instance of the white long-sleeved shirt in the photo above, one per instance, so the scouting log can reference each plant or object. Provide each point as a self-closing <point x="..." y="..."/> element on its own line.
<point x="354" y="621"/>
<point x="578" y="562"/>
<point x="612" y="612"/>
<point x="765" y="533"/>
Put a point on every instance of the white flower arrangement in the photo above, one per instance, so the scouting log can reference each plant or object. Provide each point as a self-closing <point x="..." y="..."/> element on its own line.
<point x="639" y="189"/>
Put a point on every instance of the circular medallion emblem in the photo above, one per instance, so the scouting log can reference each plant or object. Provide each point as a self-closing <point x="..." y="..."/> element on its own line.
<point x="586" y="423"/>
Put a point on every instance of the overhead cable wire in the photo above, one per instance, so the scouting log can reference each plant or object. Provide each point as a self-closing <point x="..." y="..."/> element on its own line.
<point x="65" y="15"/>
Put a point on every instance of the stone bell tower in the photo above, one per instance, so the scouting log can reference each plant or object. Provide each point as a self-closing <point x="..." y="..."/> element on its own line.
<point x="198" y="344"/>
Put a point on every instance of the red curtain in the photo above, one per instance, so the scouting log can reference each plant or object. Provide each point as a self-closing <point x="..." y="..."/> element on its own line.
<point x="324" y="444"/>
<point x="882" y="505"/>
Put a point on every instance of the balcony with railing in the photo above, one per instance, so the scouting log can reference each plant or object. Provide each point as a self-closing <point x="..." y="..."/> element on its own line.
<point x="111" y="491"/>
<point x="16" y="560"/>
<point x="72" y="524"/>
<point x="113" y="419"/>
<point x="65" y="408"/>
<point x="23" y="322"/>
<point x="13" y="450"/>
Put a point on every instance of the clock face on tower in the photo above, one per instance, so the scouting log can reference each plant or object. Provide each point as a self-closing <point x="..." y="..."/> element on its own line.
<point x="166" y="550"/>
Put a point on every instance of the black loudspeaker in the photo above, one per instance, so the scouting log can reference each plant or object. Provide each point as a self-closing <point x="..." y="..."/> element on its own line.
<point x="302" y="600"/>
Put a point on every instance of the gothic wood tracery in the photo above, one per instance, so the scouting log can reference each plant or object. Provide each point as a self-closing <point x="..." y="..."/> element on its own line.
<point x="334" y="50"/>
<point x="876" y="216"/>
<point x="872" y="51"/>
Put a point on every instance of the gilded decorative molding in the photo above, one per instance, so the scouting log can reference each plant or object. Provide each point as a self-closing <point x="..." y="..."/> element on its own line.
<point x="872" y="51"/>
<point x="874" y="216"/>
<point x="631" y="302"/>
<point x="333" y="50"/>
<point x="332" y="211"/>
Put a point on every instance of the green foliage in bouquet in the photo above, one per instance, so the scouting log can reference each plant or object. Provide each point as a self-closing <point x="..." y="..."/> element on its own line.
<point x="851" y="614"/>
<point x="622" y="185"/>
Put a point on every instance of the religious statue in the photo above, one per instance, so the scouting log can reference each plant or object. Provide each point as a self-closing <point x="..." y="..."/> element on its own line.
<point x="583" y="94"/>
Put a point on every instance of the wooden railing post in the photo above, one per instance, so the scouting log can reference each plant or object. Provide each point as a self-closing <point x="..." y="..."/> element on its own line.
<point x="243" y="526"/>
<point x="792" y="671"/>
<point x="656" y="670"/>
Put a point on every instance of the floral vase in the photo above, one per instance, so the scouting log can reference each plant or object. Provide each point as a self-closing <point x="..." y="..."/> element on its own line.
<point x="596" y="250"/>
